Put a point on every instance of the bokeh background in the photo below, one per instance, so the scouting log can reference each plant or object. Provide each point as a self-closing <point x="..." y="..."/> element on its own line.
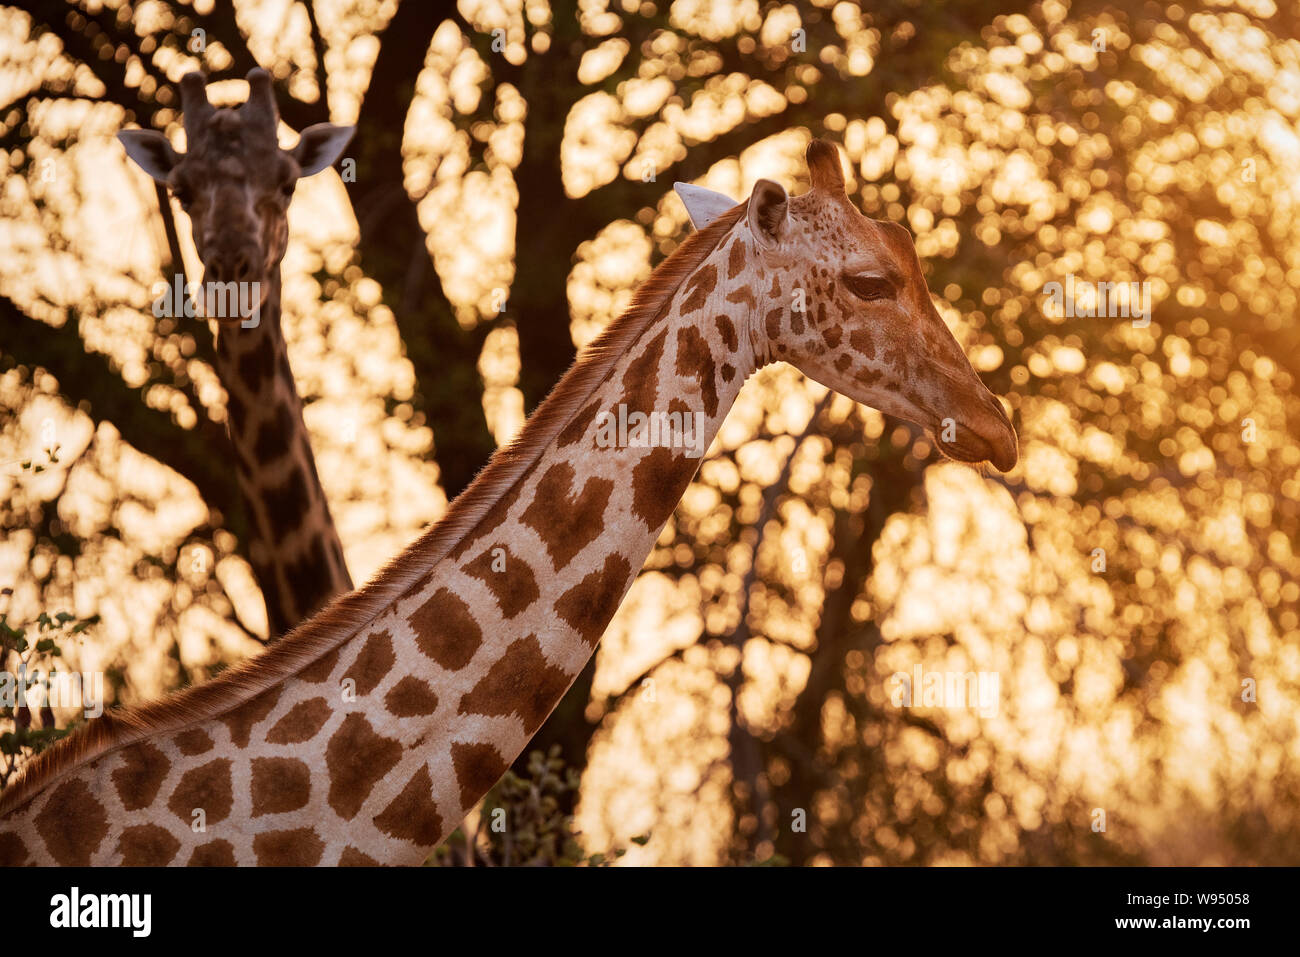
<point x="513" y="170"/>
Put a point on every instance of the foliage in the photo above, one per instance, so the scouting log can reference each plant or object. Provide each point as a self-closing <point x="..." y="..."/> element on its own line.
<point x="28" y="659"/>
<point x="521" y="822"/>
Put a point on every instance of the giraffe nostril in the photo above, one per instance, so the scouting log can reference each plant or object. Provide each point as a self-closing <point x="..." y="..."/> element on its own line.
<point x="243" y="267"/>
<point x="237" y="266"/>
<point x="998" y="408"/>
<point x="218" y="267"/>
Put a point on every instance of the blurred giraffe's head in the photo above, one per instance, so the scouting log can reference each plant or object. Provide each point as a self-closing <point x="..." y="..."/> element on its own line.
<point x="233" y="181"/>
<point x="843" y="298"/>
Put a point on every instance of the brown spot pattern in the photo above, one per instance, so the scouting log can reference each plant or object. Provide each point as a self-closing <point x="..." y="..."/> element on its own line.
<point x="698" y="287"/>
<point x="279" y="785"/>
<point x="641" y="381"/>
<point x="206" y="787"/>
<point x="351" y="857"/>
<point x="695" y="360"/>
<point x="411" y="698"/>
<point x="320" y="669"/>
<point x="445" y="630"/>
<point x="727" y="329"/>
<point x="216" y="853"/>
<point x="578" y="425"/>
<point x="478" y="767"/>
<point x="373" y="663"/>
<point x="13" y="852"/>
<point x="658" y="482"/>
<point x="521" y="682"/>
<point x="735" y="259"/>
<point x="72" y="824"/>
<point x="194" y="741"/>
<point x="742" y="296"/>
<point x="514" y="587"/>
<point x="773" y="322"/>
<point x="140" y="776"/>
<point x="240" y="720"/>
<point x="297" y="848"/>
<point x="566" y="523"/>
<point x="413" y="815"/>
<point x="861" y="340"/>
<point x="496" y="515"/>
<point x="300" y="723"/>
<point x="147" y="845"/>
<point x="589" y="605"/>
<point x="357" y="759"/>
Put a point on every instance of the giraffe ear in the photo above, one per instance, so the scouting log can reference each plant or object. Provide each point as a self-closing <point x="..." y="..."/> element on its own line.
<point x="768" y="211"/>
<point x="320" y="145"/>
<point x="703" y="205"/>
<point x="150" y="151"/>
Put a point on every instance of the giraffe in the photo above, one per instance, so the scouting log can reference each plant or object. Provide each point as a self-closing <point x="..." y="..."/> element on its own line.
<point x="366" y="735"/>
<point x="235" y="183"/>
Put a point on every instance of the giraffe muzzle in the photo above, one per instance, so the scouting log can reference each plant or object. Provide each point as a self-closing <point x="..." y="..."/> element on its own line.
<point x="985" y="435"/>
<point x="233" y="265"/>
<point x="233" y="285"/>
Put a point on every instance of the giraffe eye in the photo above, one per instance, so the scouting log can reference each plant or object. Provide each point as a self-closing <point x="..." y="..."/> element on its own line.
<point x="183" y="196"/>
<point x="870" y="288"/>
<point x="286" y="190"/>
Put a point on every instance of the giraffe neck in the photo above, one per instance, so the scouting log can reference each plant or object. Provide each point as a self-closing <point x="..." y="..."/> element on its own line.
<point x="457" y="677"/>
<point x="294" y="548"/>
<point x="369" y="735"/>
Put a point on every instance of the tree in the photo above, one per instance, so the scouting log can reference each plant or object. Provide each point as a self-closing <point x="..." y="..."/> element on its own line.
<point x="1023" y="144"/>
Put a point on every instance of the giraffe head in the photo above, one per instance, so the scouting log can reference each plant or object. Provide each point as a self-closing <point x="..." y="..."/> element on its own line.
<point x="843" y="298"/>
<point x="234" y="182"/>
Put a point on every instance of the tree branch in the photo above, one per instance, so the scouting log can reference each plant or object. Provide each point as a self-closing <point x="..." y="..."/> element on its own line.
<point x="87" y="379"/>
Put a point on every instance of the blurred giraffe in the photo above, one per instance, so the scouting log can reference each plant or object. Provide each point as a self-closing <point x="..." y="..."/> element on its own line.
<point x="235" y="183"/>
<point x="368" y="734"/>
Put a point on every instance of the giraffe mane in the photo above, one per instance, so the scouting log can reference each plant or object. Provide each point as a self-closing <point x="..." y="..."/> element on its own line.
<point x="348" y="614"/>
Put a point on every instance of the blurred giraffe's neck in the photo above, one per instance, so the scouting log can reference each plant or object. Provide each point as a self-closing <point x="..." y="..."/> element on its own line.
<point x="294" y="547"/>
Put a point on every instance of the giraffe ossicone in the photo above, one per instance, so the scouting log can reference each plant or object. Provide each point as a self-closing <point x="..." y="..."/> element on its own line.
<point x="457" y="651"/>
